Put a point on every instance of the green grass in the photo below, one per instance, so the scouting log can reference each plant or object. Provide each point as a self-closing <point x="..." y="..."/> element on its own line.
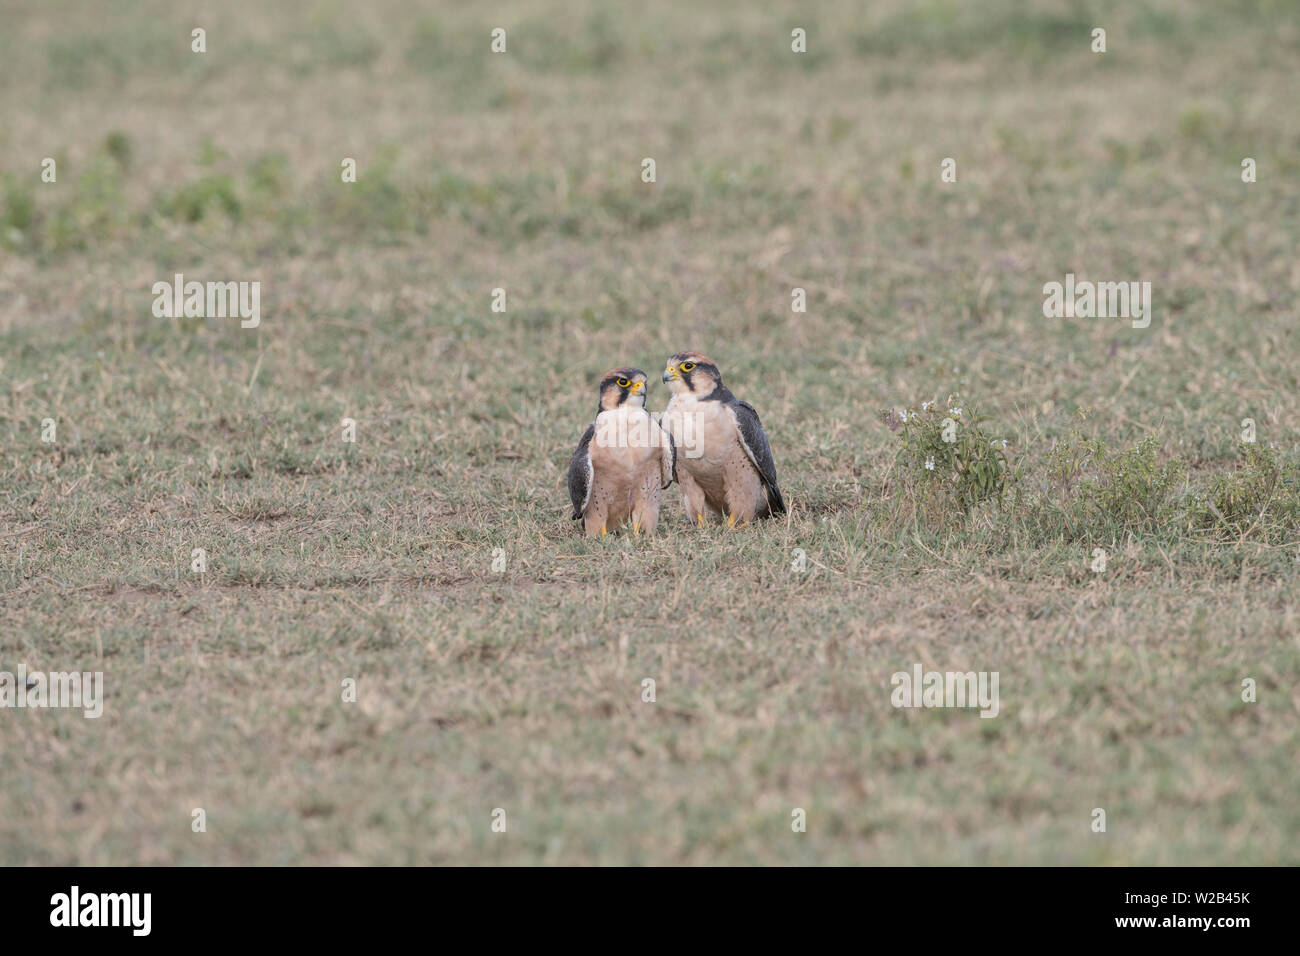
<point x="521" y="689"/>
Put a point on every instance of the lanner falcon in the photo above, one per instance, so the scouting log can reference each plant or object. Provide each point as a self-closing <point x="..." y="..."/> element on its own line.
<point x="623" y="461"/>
<point x="724" y="463"/>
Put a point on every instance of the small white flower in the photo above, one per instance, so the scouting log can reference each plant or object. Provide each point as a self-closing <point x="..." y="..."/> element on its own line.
<point x="925" y="406"/>
<point x="929" y="463"/>
<point x="998" y="441"/>
<point x="905" y="415"/>
<point x="954" y="411"/>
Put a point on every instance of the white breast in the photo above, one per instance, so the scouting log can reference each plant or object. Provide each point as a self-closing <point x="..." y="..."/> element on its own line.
<point x="705" y="433"/>
<point x="625" y="440"/>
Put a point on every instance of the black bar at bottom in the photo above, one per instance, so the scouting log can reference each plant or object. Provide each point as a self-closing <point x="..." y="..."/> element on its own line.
<point x="332" y="906"/>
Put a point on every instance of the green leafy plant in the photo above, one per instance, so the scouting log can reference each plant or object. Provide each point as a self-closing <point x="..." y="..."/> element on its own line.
<point x="946" y="447"/>
<point x="1260" y="494"/>
<point x="1129" y="489"/>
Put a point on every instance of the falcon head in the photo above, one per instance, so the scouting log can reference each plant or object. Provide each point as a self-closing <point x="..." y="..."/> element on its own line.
<point x="690" y="373"/>
<point x="622" y="385"/>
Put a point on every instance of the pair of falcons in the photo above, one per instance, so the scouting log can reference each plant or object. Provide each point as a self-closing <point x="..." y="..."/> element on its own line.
<point x="707" y="440"/>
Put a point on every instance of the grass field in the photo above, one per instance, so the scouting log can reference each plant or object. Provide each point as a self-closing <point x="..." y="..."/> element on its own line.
<point x="521" y="689"/>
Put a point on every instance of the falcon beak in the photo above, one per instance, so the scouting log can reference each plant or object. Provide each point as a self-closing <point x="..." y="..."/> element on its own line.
<point x="670" y="373"/>
<point x="635" y="387"/>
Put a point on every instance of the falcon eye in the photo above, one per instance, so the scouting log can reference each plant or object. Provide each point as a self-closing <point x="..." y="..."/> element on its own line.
<point x="623" y="383"/>
<point x="687" y="366"/>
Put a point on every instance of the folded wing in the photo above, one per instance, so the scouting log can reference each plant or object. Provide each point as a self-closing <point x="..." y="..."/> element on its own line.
<point x="759" y="451"/>
<point x="580" y="473"/>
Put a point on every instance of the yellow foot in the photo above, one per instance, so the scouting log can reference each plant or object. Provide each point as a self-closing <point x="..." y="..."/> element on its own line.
<point x="636" y="527"/>
<point x="603" y="531"/>
<point x="699" y="520"/>
<point x="731" y="520"/>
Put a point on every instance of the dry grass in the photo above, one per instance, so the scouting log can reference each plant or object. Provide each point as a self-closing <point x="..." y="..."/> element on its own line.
<point x="522" y="690"/>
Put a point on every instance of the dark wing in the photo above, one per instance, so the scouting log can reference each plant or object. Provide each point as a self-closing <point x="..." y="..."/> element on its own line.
<point x="580" y="473"/>
<point x="754" y="439"/>
<point x="672" y="454"/>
